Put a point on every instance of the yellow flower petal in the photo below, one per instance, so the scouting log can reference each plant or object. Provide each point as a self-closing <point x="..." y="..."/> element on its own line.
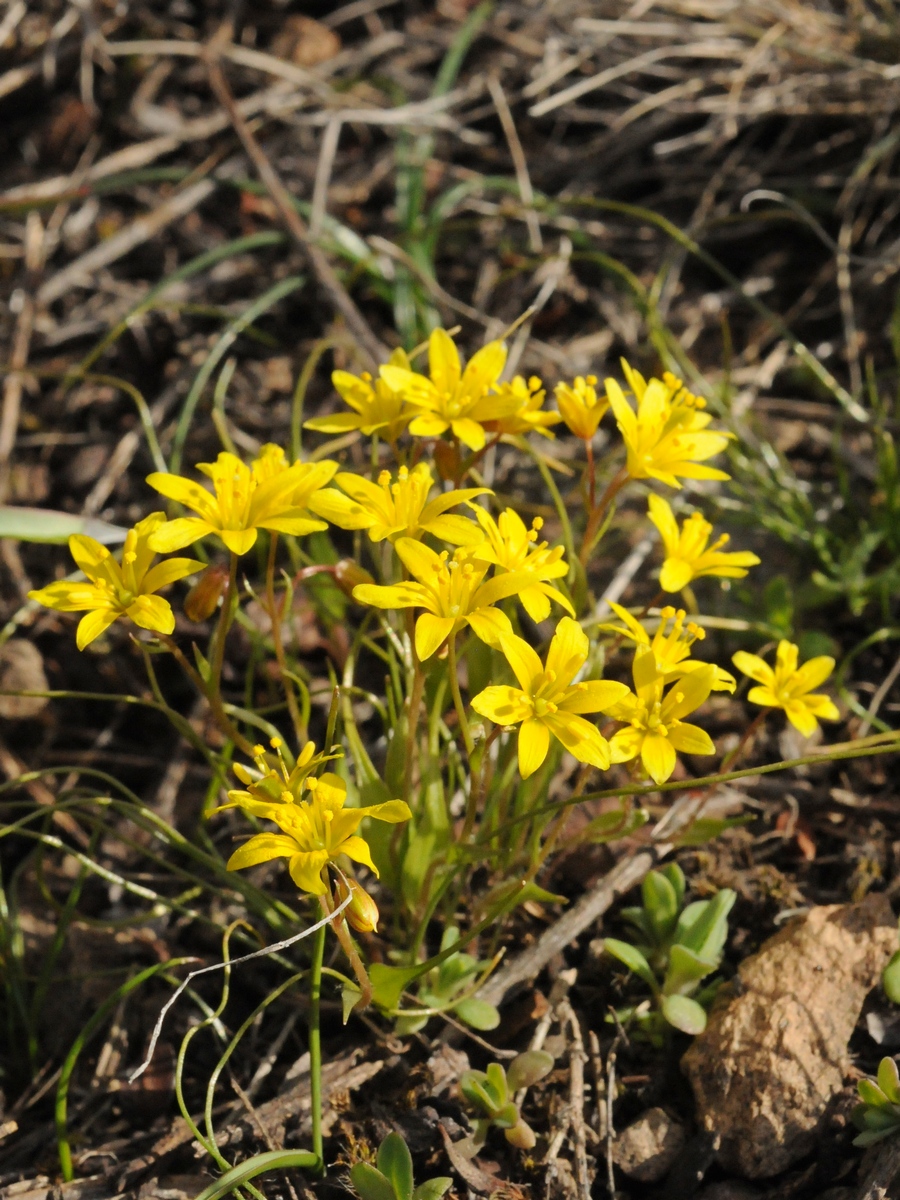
<point x="596" y="695"/>
<point x="170" y="571"/>
<point x="177" y="534"/>
<point x="443" y="361"/>
<point x="431" y="633"/>
<point x="503" y="705"/>
<point x="658" y="757"/>
<point x="801" y="718"/>
<point x="534" y="742"/>
<point x="691" y="739"/>
<point x="306" y="871"/>
<point x="469" y="432"/>
<point x="754" y="666"/>
<point x="675" y="575"/>
<point x="152" y="612"/>
<point x="524" y="661"/>
<point x="238" y="541"/>
<point x="489" y="624"/>
<point x="811" y="674"/>
<point x="261" y="848"/>
<point x="568" y="651"/>
<point x="660" y="513"/>
<point x="580" y="738"/>
<point x="93" y="624"/>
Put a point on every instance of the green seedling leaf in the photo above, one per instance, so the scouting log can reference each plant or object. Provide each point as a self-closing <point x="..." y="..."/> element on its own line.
<point x="45" y="525"/>
<point x="527" y="1068"/>
<point x="433" y="1189"/>
<point x="871" y="1094"/>
<point x="686" y="969"/>
<point x="707" y="829"/>
<point x="660" y="904"/>
<point x="705" y="929"/>
<point x="521" y="1135"/>
<point x="471" y="1084"/>
<point x="675" y="876"/>
<point x="350" y="997"/>
<point x="479" y="1014"/>
<point x="496" y="1085"/>
<point x="633" y="960"/>
<point x="890" y="979"/>
<point x="507" y="1117"/>
<point x="889" y="1080"/>
<point x="371" y="1184"/>
<point x="684" y="1013"/>
<point x="395" y="1163"/>
<point x="389" y="983"/>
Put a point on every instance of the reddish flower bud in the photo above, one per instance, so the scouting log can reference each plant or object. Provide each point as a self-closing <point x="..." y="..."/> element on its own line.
<point x="362" y="911"/>
<point x="203" y="599"/>
<point x="348" y="574"/>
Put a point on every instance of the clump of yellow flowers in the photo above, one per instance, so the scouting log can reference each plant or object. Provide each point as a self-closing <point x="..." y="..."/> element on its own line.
<point x="450" y="591"/>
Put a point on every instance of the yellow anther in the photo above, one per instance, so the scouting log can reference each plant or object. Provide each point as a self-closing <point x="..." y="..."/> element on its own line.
<point x="259" y="751"/>
<point x="276" y="743"/>
<point x="384" y="479"/>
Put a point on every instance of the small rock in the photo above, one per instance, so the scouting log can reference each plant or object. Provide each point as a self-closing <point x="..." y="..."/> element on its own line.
<point x="775" y="1050"/>
<point x="649" y="1146"/>
<point x="21" y="670"/>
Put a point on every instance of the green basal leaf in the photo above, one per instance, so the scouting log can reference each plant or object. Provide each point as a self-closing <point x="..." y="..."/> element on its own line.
<point x="633" y="960"/>
<point x="684" y="1013"/>
<point x="706" y="929"/>
<point x="686" y="969"/>
<point x="389" y="983"/>
<point x="507" y="1117"/>
<point x="660" y="904"/>
<point x="890" y="979"/>
<point x="395" y="1163"/>
<point x="433" y="1189"/>
<point x="479" y="1014"/>
<point x="889" y="1080"/>
<point x="45" y="525"/>
<point x="371" y="1184"/>
<point x="496" y="1085"/>
<point x="675" y="876"/>
<point x="527" y="1068"/>
<point x="471" y="1084"/>
<point x="871" y="1095"/>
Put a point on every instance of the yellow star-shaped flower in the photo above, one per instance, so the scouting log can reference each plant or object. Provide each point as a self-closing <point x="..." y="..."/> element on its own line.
<point x="667" y="436"/>
<point x="399" y="509"/>
<point x="671" y="644"/>
<point x="451" y="398"/>
<point x="118" y="590"/>
<point x="269" y="494"/>
<point x="314" y="832"/>
<point x="375" y="406"/>
<point x="548" y="702"/>
<point x="580" y="406"/>
<point x="688" y="552"/>
<point x="791" y="687"/>
<point x="511" y="546"/>
<point x="453" y="592"/>
<point x="529" y="415"/>
<point x="656" y="726"/>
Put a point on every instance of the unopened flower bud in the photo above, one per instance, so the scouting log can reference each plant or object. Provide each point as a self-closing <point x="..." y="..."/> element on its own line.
<point x="362" y="911"/>
<point x="203" y="599"/>
<point x="348" y="575"/>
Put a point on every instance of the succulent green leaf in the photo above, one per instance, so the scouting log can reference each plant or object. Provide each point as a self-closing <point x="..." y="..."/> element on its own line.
<point x="704" y="930"/>
<point x="686" y="969"/>
<point x="370" y="1183"/>
<point x="471" y="1084"/>
<point x="479" y="1014"/>
<point x="889" y="1080"/>
<point x="675" y="876"/>
<point x="660" y="904"/>
<point x="433" y="1189"/>
<point x="521" y="1135"/>
<point x="395" y="1164"/>
<point x="890" y="979"/>
<point x="871" y="1094"/>
<point x="633" y="960"/>
<point x="507" y="1117"/>
<point x="496" y="1085"/>
<point x="527" y="1068"/>
<point x="685" y="1014"/>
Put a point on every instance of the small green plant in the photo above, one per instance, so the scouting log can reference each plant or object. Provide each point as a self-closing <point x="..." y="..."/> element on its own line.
<point x="679" y="946"/>
<point x="492" y="1092"/>
<point x="392" y="1176"/>
<point x="877" y="1115"/>
<point x="449" y="987"/>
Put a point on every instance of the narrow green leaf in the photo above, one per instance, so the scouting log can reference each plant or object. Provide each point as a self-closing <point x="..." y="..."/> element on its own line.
<point x="395" y="1164"/>
<point x="45" y="525"/>
<point x="686" y="969"/>
<point x="272" y="1160"/>
<point x="370" y="1183"/>
<point x="633" y="960"/>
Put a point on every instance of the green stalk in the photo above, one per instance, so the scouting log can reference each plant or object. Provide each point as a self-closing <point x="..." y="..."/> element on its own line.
<point x="226" y="617"/>
<point x="315" y="1046"/>
<point x="457" y="697"/>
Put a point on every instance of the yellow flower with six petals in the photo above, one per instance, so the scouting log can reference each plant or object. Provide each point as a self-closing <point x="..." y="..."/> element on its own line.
<point x="452" y="591"/>
<point x="688" y="552"/>
<point x="667" y="436"/>
<point x="656" y="727"/>
<point x="269" y="494"/>
<point x="548" y="702"/>
<point x="114" y="590"/>
<point x="529" y="415"/>
<point x="376" y="407"/>
<point x="399" y="509"/>
<point x="580" y="406"/>
<point x="510" y="546"/>
<point x="453" y="398"/>
<point x="314" y="832"/>
<point x="671" y="645"/>
<point x="790" y="687"/>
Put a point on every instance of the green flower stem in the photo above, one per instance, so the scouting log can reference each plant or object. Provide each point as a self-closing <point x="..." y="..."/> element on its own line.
<point x="598" y="512"/>
<point x="226" y="617"/>
<point x="452" y="666"/>
<point x="272" y="1160"/>
<point x="275" y="611"/>
<point x="412" y="721"/>
<point x="591" y="473"/>
<point x="213" y="697"/>
<point x="554" y="491"/>
<point x="315" y="1044"/>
